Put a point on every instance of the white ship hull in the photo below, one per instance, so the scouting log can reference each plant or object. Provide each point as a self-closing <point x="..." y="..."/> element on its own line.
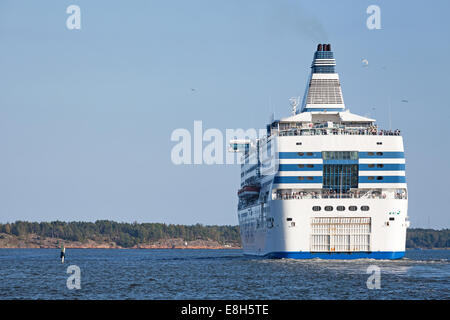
<point x="296" y="227"/>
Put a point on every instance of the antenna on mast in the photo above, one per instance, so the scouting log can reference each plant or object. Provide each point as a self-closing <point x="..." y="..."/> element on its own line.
<point x="294" y="103"/>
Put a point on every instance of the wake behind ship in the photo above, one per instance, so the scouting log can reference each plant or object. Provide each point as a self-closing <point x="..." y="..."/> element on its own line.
<point x="324" y="182"/>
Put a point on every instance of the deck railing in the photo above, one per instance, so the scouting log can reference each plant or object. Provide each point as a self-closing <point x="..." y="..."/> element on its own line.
<point x="333" y="131"/>
<point x="335" y="195"/>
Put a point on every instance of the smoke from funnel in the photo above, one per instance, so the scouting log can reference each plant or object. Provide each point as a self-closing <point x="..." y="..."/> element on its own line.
<point x="287" y="18"/>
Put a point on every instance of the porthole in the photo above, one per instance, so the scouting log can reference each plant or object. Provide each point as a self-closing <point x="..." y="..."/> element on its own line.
<point x="379" y="153"/>
<point x="310" y="166"/>
<point x="316" y="208"/>
<point x="328" y="208"/>
<point x="379" y="178"/>
<point x="301" y="154"/>
<point x="380" y="165"/>
<point x="364" y="208"/>
<point x="371" y="166"/>
<point x="369" y="178"/>
<point x="289" y="219"/>
<point x="379" y="143"/>
<point x="370" y="153"/>
<point x="300" y="178"/>
<point x="310" y="178"/>
<point x="309" y="153"/>
<point x="299" y="143"/>
<point x="353" y="208"/>
<point x="340" y="208"/>
<point x="301" y="165"/>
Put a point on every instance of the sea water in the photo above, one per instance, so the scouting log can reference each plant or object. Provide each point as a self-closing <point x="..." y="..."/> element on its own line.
<point x="216" y="274"/>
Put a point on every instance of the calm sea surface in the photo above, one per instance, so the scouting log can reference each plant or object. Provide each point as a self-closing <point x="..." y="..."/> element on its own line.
<point x="216" y="274"/>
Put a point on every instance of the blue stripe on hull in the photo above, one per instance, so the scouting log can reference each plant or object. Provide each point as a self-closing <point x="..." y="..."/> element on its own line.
<point x="383" y="154"/>
<point x="290" y="179"/>
<point x="383" y="167"/>
<point x="385" y="255"/>
<point x="385" y="179"/>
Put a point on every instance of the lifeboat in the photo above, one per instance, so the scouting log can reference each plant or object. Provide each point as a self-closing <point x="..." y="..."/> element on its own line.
<point x="249" y="191"/>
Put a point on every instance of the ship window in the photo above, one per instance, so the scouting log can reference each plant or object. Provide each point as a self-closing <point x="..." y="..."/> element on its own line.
<point x="371" y="165"/>
<point x="310" y="178"/>
<point x="309" y="153"/>
<point x="392" y="219"/>
<point x="379" y="178"/>
<point x="299" y="143"/>
<point x="380" y="165"/>
<point x="328" y="208"/>
<point x="340" y="208"/>
<point x="379" y="153"/>
<point x="379" y="143"/>
<point x="340" y="177"/>
<point x="316" y="208"/>
<point x="301" y="178"/>
<point x="340" y="155"/>
<point x="288" y="219"/>
<point x="352" y="208"/>
<point x="370" y="153"/>
<point x="310" y="166"/>
<point x="301" y="154"/>
<point x="369" y="178"/>
<point x="301" y="165"/>
<point x="364" y="208"/>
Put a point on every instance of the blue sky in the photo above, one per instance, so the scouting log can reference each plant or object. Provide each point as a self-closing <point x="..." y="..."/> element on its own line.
<point x="86" y="115"/>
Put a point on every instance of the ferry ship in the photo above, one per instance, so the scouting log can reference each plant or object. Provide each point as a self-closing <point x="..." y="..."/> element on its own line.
<point x="323" y="182"/>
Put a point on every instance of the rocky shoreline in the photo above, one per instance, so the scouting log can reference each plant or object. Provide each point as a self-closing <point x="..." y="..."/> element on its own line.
<point x="35" y="241"/>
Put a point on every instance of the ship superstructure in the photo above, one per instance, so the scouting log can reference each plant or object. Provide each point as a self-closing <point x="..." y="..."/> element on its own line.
<point x="324" y="182"/>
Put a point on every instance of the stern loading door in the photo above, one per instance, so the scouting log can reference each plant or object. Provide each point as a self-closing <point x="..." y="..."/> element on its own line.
<point x="340" y="234"/>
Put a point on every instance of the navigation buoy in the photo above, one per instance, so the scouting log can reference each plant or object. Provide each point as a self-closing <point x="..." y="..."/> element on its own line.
<point x="63" y="253"/>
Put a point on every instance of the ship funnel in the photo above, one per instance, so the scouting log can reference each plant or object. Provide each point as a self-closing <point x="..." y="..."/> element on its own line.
<point x="324" y="47"/>
<point x="323" y="92"/>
